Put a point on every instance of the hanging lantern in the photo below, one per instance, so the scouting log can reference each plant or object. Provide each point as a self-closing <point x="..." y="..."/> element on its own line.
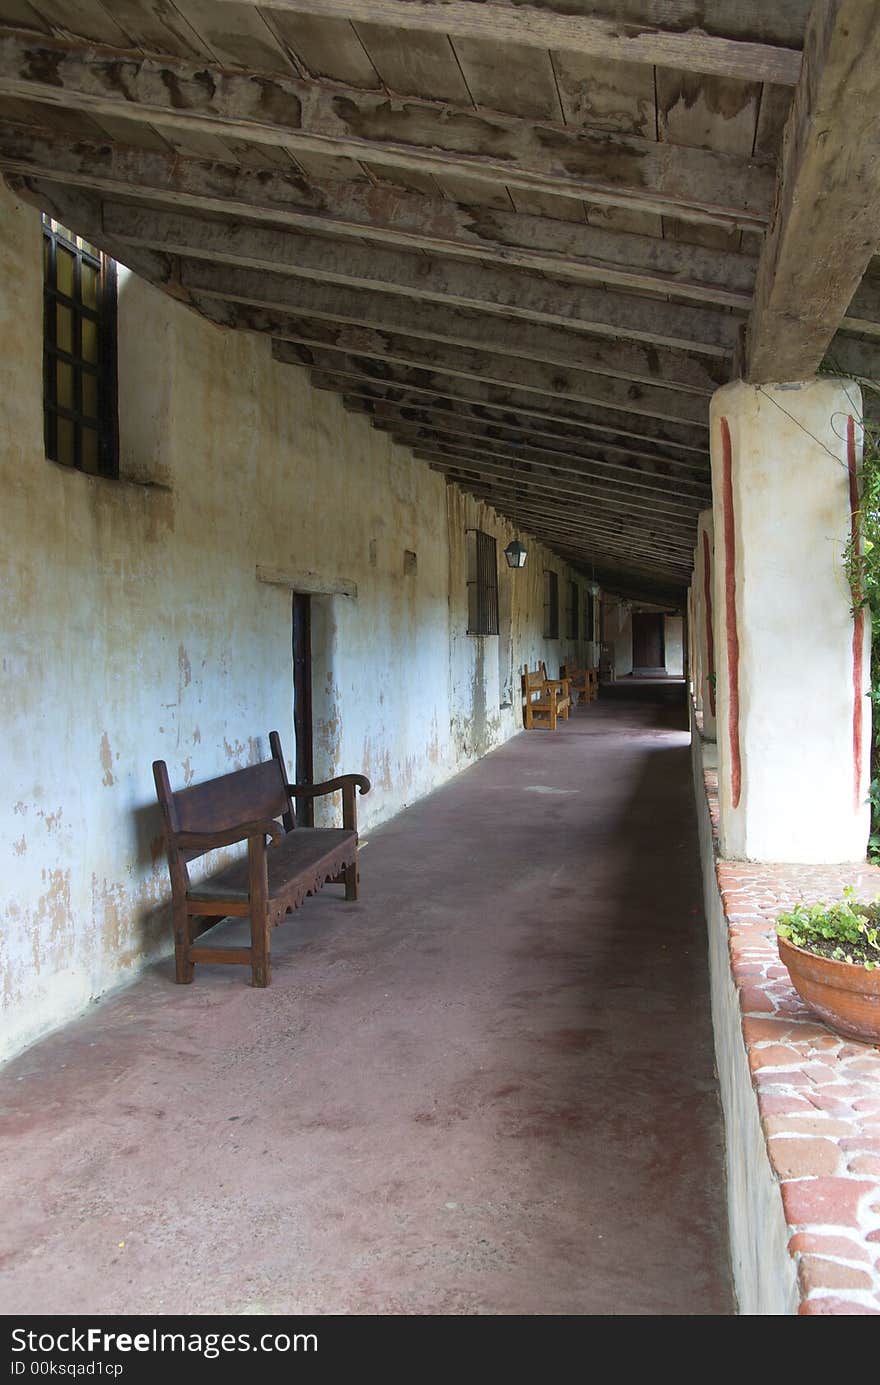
<point x="594" y="589"/>
<point x="516" y="554"/>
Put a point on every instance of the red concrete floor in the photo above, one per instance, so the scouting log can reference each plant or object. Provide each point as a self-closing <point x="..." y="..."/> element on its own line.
<point x="485" y="1088"/>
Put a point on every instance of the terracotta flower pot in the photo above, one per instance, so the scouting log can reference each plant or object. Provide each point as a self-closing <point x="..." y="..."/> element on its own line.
<point x="845" y="996"/>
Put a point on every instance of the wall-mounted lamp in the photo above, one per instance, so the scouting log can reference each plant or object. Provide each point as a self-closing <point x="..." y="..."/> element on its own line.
<point x="516" y="554"/>
<point x="593" y="589"/>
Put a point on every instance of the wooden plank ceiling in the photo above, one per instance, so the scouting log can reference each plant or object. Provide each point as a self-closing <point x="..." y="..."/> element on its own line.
<point x="523" y="239"/>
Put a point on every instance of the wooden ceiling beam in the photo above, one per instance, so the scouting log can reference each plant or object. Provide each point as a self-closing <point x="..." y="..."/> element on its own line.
<point x="615" y="496"/>
<point x="385" y="214"/>
<point x="635" y="38"/>
<point x="537" y="432"/>
<point x="543" y="525"/>
<point x="515" y="241"/>
<point x="451" y="326"/>
<point x="664" y="342"/>
<point x="379" y="379"/>
<point x="292" y="114"/>
<point x="328" y="347"/>
<point x="826" y="221"/>
<point x="547" y="458"/>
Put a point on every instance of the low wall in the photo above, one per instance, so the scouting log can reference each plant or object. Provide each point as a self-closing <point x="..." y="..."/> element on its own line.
<point x="801" y="1105"/>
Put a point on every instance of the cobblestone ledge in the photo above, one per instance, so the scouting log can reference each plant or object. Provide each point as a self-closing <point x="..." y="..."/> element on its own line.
<point x="801" y="1104"/>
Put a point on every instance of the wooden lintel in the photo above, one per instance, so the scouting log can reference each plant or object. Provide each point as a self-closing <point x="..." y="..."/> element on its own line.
<point x="311" y="583"/>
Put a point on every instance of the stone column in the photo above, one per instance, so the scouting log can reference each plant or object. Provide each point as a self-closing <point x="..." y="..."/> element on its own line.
<point x="692" y="662"/>
<point x="705" y="563"/>
<point x="792" y="662"/>
<point x="696" y="599"/>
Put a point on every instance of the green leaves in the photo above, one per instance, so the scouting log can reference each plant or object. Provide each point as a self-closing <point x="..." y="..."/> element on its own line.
<point x="846" y="931"/>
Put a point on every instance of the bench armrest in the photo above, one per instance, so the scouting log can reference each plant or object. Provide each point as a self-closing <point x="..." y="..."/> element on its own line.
<point x="210" y="841"/>
<point x="560" y="684"/>
<point x="329" y="786"/>
<point x="347" y="783"/>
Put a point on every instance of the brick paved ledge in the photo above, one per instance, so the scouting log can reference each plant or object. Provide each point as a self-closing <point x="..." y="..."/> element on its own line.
<point x="801" y="1105"/>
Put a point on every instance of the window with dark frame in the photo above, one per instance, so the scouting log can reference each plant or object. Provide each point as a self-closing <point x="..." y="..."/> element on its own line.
<point x="482" y="584"/>
<point x="551" y="605"/>
<point x="79" y="352"/>
<point x="573" y="611"/>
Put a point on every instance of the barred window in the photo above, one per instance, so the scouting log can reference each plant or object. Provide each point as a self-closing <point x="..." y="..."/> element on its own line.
<point x="551" y="605"/>
<point x="482" y="584"/>
<point x="573" y="611"/>
<point x="79" y="352"/>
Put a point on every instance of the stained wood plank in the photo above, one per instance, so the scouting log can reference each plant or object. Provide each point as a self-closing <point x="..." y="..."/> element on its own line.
<point x="557" y="462"/>
<point x="503" y="76"/>
<point x="348" y="209"/>
<point x="420" y="135"/>
<point x="606" y="95"/>
<point x="826" y="224"/>
<point x="156" y="26"/>
<point x="236" y="34"/>
<point x="327" y="47"/>
<point x="642" y="38"/>
<point x="501" y="292"/>
<point x="337" y="349"/>
<point x="673" y="369"/>
<point x="408" y="385"/>
<point x="482" y="421"/>
<point x="414" y="64"/>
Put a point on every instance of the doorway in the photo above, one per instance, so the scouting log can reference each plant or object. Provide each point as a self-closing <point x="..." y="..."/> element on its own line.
<point x="649" y="653"/>
<point x="302" y="702"/>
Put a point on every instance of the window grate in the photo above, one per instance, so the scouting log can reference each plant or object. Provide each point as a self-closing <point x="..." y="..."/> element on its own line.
<point x="482" y="584"/>
<point x="79" y="352"/>
<point x="551" y="605"/>
<point x="573" y="612"/>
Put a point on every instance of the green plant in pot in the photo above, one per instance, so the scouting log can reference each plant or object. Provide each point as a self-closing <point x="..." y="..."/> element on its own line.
<point x="832" y="952"/>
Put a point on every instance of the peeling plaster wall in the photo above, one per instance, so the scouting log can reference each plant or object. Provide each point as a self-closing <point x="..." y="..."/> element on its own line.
<point x="617" y="631"/>
<point x="134" y="627"/>
<point x="673" y="641"/>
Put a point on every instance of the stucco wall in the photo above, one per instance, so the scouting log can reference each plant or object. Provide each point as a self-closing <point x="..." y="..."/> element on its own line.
<point x="617" y="631"/>
<point x="673" y="643"/>
<point x="134" y="627"/>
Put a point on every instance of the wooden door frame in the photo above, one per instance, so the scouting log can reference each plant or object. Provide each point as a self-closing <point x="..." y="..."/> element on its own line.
<point x="301" y="642"/>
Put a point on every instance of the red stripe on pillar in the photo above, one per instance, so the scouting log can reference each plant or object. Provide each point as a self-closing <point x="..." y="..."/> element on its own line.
<point x="710" y="638"/>
<point x="730" y="613"/>
<point x="858" y="639"/>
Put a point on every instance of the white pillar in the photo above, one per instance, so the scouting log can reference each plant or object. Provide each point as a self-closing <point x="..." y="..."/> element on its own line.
<point x="696" y="596"/>
<point x="792" y="662"/>
<point x="706" y="633"/>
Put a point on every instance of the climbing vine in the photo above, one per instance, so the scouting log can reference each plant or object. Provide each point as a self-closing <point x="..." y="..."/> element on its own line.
<point x="862" y="562"/>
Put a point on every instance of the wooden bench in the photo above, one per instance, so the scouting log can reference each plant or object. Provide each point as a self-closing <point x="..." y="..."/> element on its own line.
<point x="543" y="697"/>
<point x="584" y="681"/>
<point x="269" y="882"/>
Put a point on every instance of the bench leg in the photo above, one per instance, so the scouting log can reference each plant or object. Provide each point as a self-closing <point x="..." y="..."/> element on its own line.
<point x="258" y="892"/>
<point x="261" y="957"/>
<point x="351" y="881"/>
<point x="183" y="967"/>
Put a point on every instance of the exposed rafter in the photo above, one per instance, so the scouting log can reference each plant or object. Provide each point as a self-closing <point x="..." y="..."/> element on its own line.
<point x="380" y="380"/>
<point x="384" y="214"/>
<point x="826" y="221"/>
<point x="636" y="37"/>
<point x="482" y="423"/>
<point x="423" y="136"/>
<point x="328" y="347"/>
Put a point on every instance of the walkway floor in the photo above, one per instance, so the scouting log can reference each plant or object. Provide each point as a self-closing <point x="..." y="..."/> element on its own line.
<point x="485" y="1088"/>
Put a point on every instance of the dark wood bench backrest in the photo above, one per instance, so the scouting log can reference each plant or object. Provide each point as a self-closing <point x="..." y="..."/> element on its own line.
<point x="256" y="793"/>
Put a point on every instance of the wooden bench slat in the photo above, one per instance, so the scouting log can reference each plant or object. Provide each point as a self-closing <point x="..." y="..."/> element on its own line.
<point x="269" y="882"/>
<point x="307" y="849"/>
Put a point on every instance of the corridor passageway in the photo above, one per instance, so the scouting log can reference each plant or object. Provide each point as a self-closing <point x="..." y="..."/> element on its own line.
<point x="487" y="1087"/>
